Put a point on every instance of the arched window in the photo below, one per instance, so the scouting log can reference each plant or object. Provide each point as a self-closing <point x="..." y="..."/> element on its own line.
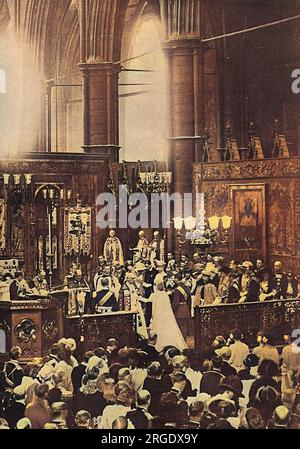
<point x="143" y="95"/>
<point x="2" y="82"/>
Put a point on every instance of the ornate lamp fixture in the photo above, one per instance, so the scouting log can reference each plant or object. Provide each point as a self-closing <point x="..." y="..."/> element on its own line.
<point x="202" y="232"/>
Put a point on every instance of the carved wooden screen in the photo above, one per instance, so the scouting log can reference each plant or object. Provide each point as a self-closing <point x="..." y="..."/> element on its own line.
<point x="276" y="317"/>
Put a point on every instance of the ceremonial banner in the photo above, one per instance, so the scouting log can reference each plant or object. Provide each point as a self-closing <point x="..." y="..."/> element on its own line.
<point x="77" y="231"/>
<point x="9" y="267"/>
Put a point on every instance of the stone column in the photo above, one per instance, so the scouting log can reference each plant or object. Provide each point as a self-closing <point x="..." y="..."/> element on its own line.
<point x="186" y="109"/>
<point x="183" y="25"/>
<point x="100" y="109"/>
<point x="101" y="27"/>
<point x="183" y="47"/>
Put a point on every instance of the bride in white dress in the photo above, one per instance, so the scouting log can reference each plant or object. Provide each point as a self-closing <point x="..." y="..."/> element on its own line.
<point x="164" y="323"/>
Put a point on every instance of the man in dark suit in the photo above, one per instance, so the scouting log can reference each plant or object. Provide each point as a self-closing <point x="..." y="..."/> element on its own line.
<point x="157" y="384"/>
<point x="181" y="305"/>
<point x="259" y="269"/>
<point x="18" y="287"/>
<point x="173" y="409"/>
<point x="140" y="417"/>
<point x="250" y="286"/>
<point x="233" y="295"/>
<point x="149" y="276"/>
<point x="149" y="348"/>
<point x="79" y="371"/>
<point x="225" y="354"/>
<point x="280" y="279"/>
<point x="16" y="408"/>
<point x="196" y="413"/>
<point x="211" y="379"/>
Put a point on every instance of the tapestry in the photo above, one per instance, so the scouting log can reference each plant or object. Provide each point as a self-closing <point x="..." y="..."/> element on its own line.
<point x="8" y="267"/>
<point x="77" y="231"/>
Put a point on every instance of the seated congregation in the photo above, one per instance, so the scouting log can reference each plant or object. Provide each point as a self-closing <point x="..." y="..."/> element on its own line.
<point x="226" y="386"/>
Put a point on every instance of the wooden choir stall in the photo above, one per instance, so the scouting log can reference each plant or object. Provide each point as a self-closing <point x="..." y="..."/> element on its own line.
<point x="35" y="325"/>
<point x="279" y="318"/>
<point x="94" y="331"/>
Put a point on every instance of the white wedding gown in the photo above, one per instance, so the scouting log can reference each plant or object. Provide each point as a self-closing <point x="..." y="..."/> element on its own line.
<point x="164" y="323"/>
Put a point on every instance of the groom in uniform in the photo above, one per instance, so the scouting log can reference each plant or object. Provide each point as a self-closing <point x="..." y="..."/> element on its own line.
<point x="104" y="298"/>
<point x="181" y="305"/>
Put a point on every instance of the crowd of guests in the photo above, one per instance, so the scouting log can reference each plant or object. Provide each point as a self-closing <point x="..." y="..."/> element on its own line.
<point x="226" y="386"/>
<point x="207" y="280"/>
<point x="154" y="386"/>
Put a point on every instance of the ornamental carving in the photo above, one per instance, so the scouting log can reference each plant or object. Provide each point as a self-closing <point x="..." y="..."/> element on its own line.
<point x="50" y="329"/>
<point x="277" y="317"/>
<point x="25" y="331"/>
<point x="92" y="167"/>
<point x="297" y="220"/>
<point x="250" y="169"/>
<point x="282" y="232"/>
<point x="216" y="199"/>
<point x="29" y="352"/>
<point x="96" y="330"/>
<point x="93" y="332"/>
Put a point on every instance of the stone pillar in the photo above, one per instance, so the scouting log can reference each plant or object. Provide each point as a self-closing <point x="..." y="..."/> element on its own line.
<point x="183" y="28"/>
<point x="100" y="109"/>
<point x="101" y="28"/>
<point x="186" y="108"/>
<point x="183" y="24"/>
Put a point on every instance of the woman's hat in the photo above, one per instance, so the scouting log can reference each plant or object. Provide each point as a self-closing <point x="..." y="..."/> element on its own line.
<point x="96" y="362"/>
<point x="232" y="383"/>
<point x="251" y="361"/>
<point x="225" y="353"/>
<point x="24" y="423"/>
<point x="222" y="408"/>
<point x="246" y="264"/>
<point x="140" y="267"/>
<point x="281" y="414"/>
<point x="71" y="343"/>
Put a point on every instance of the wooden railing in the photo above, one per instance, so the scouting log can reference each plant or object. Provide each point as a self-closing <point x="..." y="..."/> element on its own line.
<point x="277" y="317"/>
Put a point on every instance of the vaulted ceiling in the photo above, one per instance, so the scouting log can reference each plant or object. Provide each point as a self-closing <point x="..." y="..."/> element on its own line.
<point x="55" y="30"/>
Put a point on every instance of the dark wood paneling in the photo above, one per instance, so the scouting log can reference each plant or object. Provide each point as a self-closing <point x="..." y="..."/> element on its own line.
<point x="276" y="317"/>
<point x="92" y="331"/>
